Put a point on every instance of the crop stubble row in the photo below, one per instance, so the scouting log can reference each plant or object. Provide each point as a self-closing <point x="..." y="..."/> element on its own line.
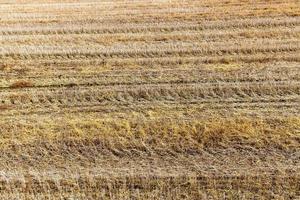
<point x="145" y="90"/>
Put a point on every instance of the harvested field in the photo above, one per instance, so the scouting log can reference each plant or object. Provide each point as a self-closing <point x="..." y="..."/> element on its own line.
<point x="149" y="99"/>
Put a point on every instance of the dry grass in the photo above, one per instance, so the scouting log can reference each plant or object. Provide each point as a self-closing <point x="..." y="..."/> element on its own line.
<point x="149" y="100"/>
<point x="21" y="84"/>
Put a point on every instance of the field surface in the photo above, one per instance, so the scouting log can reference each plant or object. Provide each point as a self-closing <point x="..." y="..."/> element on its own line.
<point x="149" y="99"/>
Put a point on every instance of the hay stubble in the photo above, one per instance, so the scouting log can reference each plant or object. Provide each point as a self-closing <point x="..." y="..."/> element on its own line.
<point x="149" y="99"/>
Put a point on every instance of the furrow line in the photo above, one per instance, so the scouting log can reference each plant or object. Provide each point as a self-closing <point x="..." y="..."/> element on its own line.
<point x="96" y="65"/>
<point x="150" y="93"/>
<point x="138" y="53"/>
<point x="259" y="107"/>
<point x="154" y="27"/>
<point x="273" y="72"/>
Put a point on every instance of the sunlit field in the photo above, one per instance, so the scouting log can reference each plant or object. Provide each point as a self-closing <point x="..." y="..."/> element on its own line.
<point x="149" y="99"/>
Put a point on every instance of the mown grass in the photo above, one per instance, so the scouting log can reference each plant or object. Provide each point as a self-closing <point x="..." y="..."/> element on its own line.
<point x="157" y="133"/>
<point x="139" y="100"/>
<point x="155" y="188"/>
<point x="75" y="140"/>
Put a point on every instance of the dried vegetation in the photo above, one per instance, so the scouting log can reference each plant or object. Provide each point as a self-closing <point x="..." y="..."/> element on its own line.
<point x="149" y="99"/>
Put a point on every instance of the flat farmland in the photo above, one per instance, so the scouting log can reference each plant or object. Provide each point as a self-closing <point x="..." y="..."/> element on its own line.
<point x="149" y="99"/>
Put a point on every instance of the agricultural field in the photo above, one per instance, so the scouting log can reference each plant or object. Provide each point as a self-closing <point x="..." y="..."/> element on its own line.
<point x="149" y="99"/>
